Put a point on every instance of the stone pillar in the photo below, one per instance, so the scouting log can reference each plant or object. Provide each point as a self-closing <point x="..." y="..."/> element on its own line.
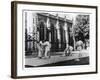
<point x="37" y="31"/>
<point x="48" y="27"/>
<point x="66" y="32"/>
<point x="34" y="16"/>
<point x="45" y="31"/>
<point x="58" y="33"/>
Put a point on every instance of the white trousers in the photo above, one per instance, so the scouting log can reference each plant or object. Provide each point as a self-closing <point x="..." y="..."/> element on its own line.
<point x="47" y="49"/>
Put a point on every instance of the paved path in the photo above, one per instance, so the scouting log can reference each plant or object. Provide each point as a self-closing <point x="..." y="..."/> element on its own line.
<point x="54" y="59"/>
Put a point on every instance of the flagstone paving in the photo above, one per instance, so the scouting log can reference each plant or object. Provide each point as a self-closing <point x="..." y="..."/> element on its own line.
<point x="54" y="59"/>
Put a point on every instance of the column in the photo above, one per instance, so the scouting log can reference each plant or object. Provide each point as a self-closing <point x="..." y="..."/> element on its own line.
<point x="66" y="32"/>
<point x="37" y="31"/>
<point x="34" y="16"/>
<point x="48" y="27"/>
<point x="55" y="34"/>
<point x="58" y="32"/>
<point x="45" y="31"/>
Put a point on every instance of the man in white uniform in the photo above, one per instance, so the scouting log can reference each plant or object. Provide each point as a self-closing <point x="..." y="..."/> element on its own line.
<point x="79" y="48"/>
<point x="47" y="47"/>
<point x="40" y="50"/>
<point x="68" y="50"/>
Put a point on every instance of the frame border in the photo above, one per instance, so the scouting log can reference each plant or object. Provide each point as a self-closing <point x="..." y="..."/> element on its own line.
<point x="14" y="38"/>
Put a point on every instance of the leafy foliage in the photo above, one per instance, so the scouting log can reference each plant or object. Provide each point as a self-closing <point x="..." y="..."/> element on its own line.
<point x="81" y="27"/>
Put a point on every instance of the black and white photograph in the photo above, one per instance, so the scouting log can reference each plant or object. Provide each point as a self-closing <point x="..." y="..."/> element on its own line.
<point x="56" y="38"/>
<point x="53" y="39"/>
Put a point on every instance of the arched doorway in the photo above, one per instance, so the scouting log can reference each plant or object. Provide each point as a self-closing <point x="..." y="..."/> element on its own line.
<point x="41" y="31"/>
<point x="54" y="40"/>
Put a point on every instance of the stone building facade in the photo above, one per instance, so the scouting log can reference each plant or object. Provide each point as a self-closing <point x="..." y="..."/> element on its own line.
<point x="48" y="27"/>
